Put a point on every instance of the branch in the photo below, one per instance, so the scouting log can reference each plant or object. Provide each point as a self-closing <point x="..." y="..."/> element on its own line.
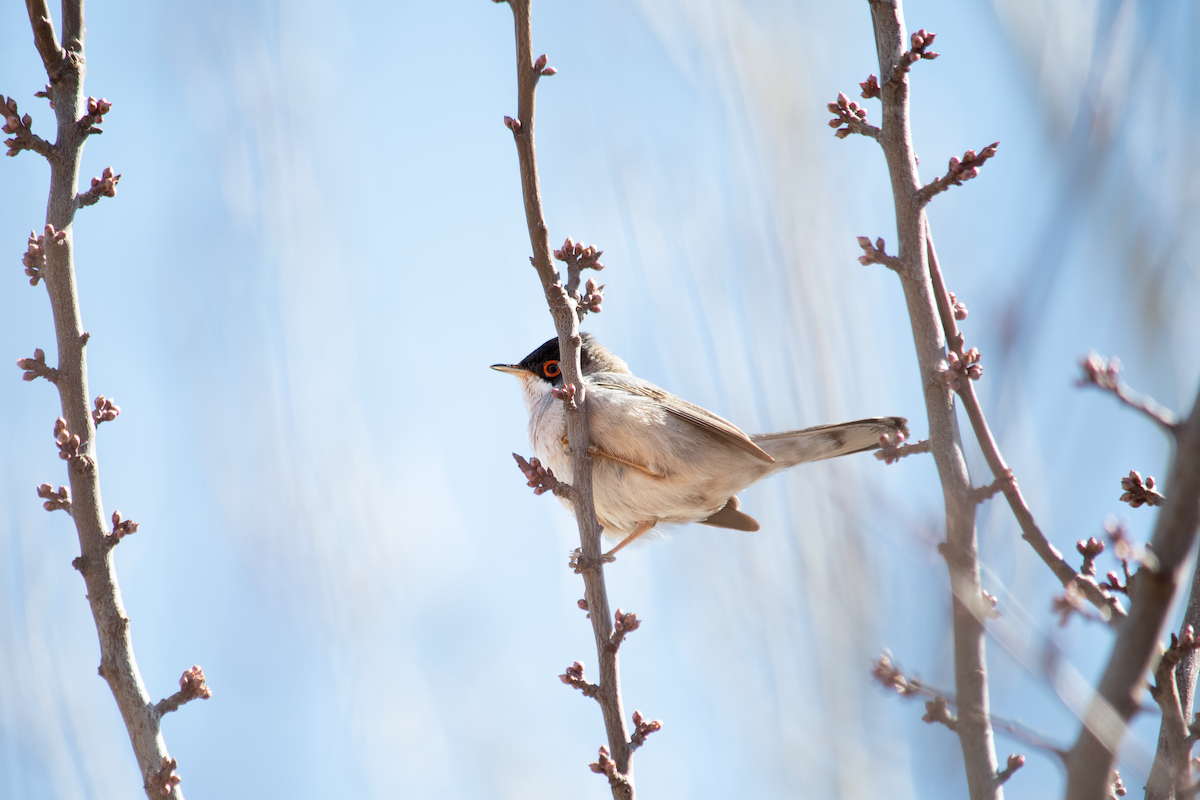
<point x="75" y="429"/>
<point x="191" y="687"/>
<point x="1110" y="608"/>
<point x="958" y="172"/>
<point x="23" y="138"/>
<point x="961" y="550"/>
<point x="1151" y="595"/>
<point x="104" y="186"/>
<point x="1105" y="374"/>
<point x="852" y="116"/>
<point x="565" y="310"/>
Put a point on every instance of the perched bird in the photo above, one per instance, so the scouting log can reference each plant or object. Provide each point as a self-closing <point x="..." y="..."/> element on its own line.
<point x="662" y="460"/>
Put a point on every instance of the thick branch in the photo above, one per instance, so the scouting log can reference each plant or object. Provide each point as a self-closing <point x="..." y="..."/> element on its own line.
<point x="1135" y="649"/>
<point x="43" y="34"/>
<point x="970" y="669"/>
<point x="566" y="321"/>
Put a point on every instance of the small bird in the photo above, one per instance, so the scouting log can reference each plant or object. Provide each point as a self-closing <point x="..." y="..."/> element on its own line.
<point x="662" y="460"/>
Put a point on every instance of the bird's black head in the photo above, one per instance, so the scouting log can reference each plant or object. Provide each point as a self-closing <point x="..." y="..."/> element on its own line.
<point x="543" y="362"/>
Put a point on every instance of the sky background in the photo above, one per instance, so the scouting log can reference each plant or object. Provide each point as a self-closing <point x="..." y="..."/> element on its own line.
<point x="317" y="249"/>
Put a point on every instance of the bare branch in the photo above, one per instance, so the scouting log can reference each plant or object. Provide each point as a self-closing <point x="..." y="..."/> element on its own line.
<point x="994" y="488"/>
<point x="23" y="138"/>
<point x="852" y="116"/>
<point x="892" y="447"/>
<point x="1136" y="645"/>
<point x="44" y="37"/>
<point x="1108" y="605"/>
<point x="958" y="171"/>
<point x="104" y="186"/>
<point x="565" y="310"/>
<point x="192" y="686"/>
<point x="1105" y="374"/>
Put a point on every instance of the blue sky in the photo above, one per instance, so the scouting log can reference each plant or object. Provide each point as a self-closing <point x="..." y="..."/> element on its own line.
<point x="318" y="247"/>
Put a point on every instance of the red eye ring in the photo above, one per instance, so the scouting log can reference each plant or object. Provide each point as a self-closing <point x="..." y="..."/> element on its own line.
<point x="551" y="369"/>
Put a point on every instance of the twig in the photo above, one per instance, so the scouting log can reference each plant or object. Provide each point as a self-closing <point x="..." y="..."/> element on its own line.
<point x="23" y="138"/>
<point x="1151" y="595"/>
<point x="36" y="367"/>
<point x="892" y="447"/>
<point x="1104" y="374"/>
<point x="192" y="686"/>
<point x="541" y="479"/>
<point x="852" y="116"/>
<point x="565" y="311"/>
<point x="1015" y="762"/>
<point x="958" y="171"/>
<point x="104" y="186"/>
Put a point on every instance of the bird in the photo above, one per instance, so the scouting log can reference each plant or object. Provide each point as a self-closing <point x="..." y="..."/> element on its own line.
<point x="660" y="460"/>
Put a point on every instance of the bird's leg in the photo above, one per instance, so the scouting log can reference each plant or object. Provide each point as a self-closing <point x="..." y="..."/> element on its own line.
<point x="633" y="537"/>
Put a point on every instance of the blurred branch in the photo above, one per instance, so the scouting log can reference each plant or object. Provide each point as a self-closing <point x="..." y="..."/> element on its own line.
<point x="1104" y="374"/>
<point x="51" y="258"/>
<point x="1151" y="591"/>
<point x="564" y="307"/>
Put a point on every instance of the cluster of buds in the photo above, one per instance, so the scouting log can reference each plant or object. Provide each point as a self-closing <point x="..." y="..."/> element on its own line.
<point x="851" y="115"/>
<point x="1117" y="788"/>
<point x="961" y="368"/>
<point x="540" y="479"/>
<point x="55" y="500"/>
<point x="1137" y="493"/>
<point x="624" y="624"/>
<point x="870" y="87"/>
<point x="604" y="765"/>
<point x="875" y="254"/>
<point x="959" y="309"/>
<point x="36" y="367"/>
<point x="96" y="109"/>
<point x="889" y="676"/>
<point x="892" y="447"/>
<point x="105" y="411"/>
<point x="593" y="296"/>
<point x="968" y="167"/>
<point x="104" y="186"/>
<point x="564" y="393"/>
<point x="540" y="67"/>
<point x="1090" y="549"/>
<point x="513" y="125"/>
<point x="573" y="677"/>
<point x="15" y="124"/>
<point x="1100" y="371"/>
<point x="642" y="729"/>
<point x="576" y="255"/>
<point x="192" y="683"/>
<point x="123" y="528"/>
<point x="34" y="259"/>
<point x="164" y="779"/>
<point x="938" y="710"/>
<point x="921" y="40"/>
<point x="1015" y="762"/>
<point x="68" y="445"/>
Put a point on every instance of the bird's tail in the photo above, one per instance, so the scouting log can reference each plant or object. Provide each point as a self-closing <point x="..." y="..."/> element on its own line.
<point x="827" y="441"/>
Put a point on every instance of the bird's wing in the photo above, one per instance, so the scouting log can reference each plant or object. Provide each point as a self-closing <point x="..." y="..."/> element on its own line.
<point x="681" y="409"/>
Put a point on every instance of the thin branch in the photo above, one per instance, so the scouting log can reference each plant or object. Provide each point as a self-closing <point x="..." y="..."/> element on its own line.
<point x="104" y="186"/>
<point x="957" y="172"/>
<point x="565" y="311"/>
<point x="1108" y="605"/>
<point x="50" y="258"/>
<point x="1136" y="646"/>
<point x="1105" y="374"/>
<point x="191" y="687"/>
<point x="23" y="137"/>
<point x="961" y="549"/>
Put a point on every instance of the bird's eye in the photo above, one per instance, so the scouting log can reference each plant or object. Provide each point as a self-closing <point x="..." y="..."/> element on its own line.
<point x="551" y="369"/>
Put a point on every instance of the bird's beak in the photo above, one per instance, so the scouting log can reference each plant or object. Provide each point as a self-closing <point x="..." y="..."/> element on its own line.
<point x="511" y="369"/>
